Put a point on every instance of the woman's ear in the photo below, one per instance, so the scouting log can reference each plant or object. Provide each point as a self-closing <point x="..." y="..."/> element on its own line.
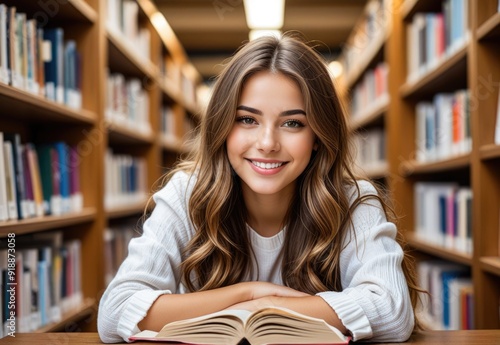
<point x="316" y="144"/>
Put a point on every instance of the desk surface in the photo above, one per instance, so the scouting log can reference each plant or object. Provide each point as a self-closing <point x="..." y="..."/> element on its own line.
<point x="480" y="337"/>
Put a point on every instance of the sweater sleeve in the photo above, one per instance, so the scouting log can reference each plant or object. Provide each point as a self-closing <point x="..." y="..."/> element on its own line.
<point x="375" y="301"/>
<point x="152" y="267"/>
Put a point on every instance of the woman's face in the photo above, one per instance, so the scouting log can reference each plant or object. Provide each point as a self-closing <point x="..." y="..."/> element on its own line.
<point x="271" y="141"/>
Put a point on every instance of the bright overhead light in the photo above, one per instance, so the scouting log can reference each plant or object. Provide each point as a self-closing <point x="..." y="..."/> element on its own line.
<point x="336" y="68"/>
<point x="264" y="14"/>
<point x="254" y="34"/>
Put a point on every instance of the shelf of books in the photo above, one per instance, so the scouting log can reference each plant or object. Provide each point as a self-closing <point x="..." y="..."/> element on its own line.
<point x="486" y="180"/>
<point x="440" y="117"/>
<point x="79" y="146"/>
<point x="366" y="77"/>
<point x="444" y="154"/>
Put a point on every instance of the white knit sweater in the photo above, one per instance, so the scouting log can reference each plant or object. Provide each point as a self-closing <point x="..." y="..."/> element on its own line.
<point x="374" y="302"/>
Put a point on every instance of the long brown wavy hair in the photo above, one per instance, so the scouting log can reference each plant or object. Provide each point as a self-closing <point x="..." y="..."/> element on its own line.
<point x="320" y="213"/>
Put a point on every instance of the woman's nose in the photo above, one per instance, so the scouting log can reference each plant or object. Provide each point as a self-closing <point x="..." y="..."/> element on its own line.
<point x="268" y="140"/>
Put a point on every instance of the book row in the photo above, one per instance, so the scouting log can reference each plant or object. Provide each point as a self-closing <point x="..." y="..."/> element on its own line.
<point x="450" y="302"/>
<point x="370" y="90"/>
<point x="38" y="180"/>
<point x="123" y="19"/>
<point x="443" y="126"/>
<point x="127" y="103"/>
<point x="443" y="215"/>
<point x="369" y="31"/>
<point x="40" y="280"/>
<point x="370" y="149"/>
<point x="125" y="179"/>
<point x="433" y="37"/>
<point x="39" y="60"/>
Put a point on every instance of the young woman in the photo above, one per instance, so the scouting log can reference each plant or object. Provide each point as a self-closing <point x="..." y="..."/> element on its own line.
<point x="267" y="211"/>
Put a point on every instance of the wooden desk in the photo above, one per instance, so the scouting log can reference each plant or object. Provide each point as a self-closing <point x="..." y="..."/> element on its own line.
<point x="482" y="337"/>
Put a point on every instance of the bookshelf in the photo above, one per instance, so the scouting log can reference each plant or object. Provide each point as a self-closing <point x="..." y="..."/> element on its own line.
<point x="104" y="50"/>
<point x="471" y="64"/>
<point x="364" y="83"/>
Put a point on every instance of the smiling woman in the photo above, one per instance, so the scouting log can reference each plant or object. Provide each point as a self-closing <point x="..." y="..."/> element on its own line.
<point x="267" y="212"/>
<point x="269" y="147"/>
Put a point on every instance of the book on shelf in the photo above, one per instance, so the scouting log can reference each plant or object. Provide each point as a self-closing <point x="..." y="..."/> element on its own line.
<point x="449" y="305"/>
<point x="270" y="325"/>
<point x="443" y="127"/>
<point x="4" y="213"/>
<point x="47" y="278"/>
<point x="125" y="179"/>
<point x="443" y="215"/>
<point x="4" y="66"/>
<point x="39" y="179"/>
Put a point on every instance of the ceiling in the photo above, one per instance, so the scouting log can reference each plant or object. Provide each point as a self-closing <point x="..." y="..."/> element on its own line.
<point x="211" y="30"/>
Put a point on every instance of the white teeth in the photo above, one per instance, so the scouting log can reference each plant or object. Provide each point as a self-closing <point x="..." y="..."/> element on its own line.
<point x="267" y="165"/>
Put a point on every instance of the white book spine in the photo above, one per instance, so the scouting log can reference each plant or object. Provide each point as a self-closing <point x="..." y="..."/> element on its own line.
<point x="497" y="125"/>
<point x="11" y="181"/>
<point x="4" y="215"/>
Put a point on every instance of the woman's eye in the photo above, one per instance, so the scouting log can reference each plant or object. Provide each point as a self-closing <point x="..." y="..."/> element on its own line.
<point x="293" y="124"/>
<point x="246" y="120"/>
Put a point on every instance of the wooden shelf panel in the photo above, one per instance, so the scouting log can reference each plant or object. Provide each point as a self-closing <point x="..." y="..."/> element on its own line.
<point x="26" y="106"/>
<point x="435" y="250"/>
<point x="170" y="144"/>
<point x="490" y="29"/>
<point x="413" y="167"/>
<point x="448" y="76"/>
<point x="491" y="151"/>
<point x="70" y="11"/>
<point x="372" y="54"/>
<point x="127" y="210"/>
<point x="122" y="58"/>
<point x="410" y="7"/>
<point x="86" y="309"/>
<point x="25" y="226"/>
<point x="373" y="114"/>
<point x="491" y="264"/>
<point x="119" y="134"/>
<point x="376" y="172"/>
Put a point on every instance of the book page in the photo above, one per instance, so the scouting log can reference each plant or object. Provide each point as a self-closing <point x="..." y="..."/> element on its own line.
<point x="284" y="326"/>
<point x="223" y="327"/>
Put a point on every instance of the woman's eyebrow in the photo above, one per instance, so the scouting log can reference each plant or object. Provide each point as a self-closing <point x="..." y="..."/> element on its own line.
<point x="283" y="113"/>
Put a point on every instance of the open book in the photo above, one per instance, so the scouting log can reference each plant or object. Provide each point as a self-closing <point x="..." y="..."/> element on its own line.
<point x="266" y="326"/>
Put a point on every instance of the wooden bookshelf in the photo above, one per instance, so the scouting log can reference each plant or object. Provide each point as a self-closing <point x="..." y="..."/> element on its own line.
<point x="438" y="251"/>
<point x="491" y="265"/>
<point x="473" y="66"/>
<point x="70" y="319"/>
<point x="134" y="208"/>
<point x="490" y="152"/>
<point x="413" y="167"/>
<point x="373" y="114"/>
<point x="40" y="120"/>
<point x="34" y="108"/>
<point x="37" y="224"/>
<point x="370" y="117"/>
<point x="438" y="78"/>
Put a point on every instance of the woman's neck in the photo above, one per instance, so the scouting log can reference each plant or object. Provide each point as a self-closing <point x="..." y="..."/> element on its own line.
<point x="266" y="213"/>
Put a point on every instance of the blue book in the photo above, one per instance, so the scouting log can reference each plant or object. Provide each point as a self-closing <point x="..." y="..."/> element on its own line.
<point x="64" y="173"/>
<point x="448" y="276"/>
<point x="54" y="68"/>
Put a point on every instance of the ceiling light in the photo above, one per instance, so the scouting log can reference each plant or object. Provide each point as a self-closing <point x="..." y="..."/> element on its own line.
<point x="264" y="14"/>
<point x="254" y="34"/>
<point x="336" y="68"/>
